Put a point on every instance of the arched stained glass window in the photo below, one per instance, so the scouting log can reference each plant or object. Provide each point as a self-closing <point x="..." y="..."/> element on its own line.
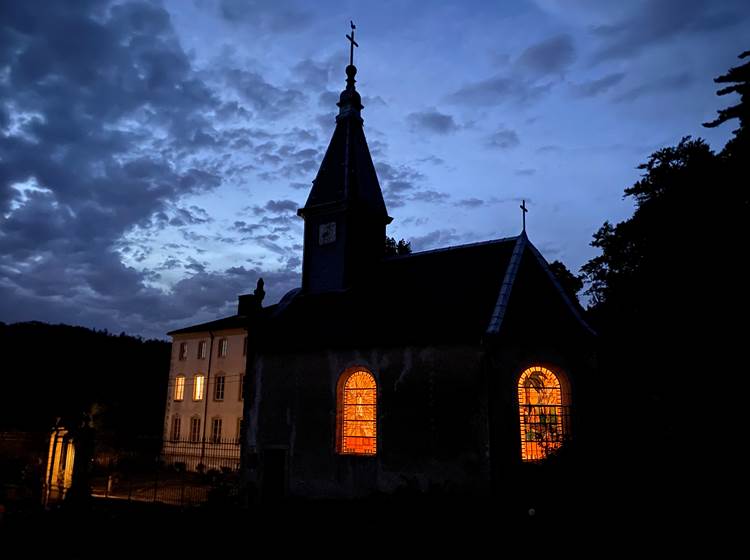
<point x="543" y="412"/>
<point x="356" y="413"/>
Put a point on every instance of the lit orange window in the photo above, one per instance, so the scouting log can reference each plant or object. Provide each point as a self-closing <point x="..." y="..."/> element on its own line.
<point x="543" y="413"/>
<point x="356" y="426"/>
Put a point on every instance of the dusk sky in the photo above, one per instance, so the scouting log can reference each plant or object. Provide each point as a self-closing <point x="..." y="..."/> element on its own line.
<point x="153" y="154"/>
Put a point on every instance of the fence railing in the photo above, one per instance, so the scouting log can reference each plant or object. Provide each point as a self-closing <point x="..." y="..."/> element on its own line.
<point x="203" y="456"/>
<point x="177" y="472"/>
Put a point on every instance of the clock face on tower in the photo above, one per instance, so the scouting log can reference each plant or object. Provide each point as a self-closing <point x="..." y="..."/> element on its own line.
<point x="327" y="233"/>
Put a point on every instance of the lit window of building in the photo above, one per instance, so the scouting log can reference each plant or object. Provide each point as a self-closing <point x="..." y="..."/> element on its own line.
<point x="179" y="387"/>
<point x="356" y="413"/>
<point x="198" y="386"/>
<point x="543" y="413"/>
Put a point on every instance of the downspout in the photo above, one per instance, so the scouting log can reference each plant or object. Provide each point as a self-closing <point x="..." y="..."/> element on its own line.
<point x="248" y="453"/>
<point x="205" y="407"/>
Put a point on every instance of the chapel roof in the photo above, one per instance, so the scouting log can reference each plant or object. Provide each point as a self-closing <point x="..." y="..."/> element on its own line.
<point x="347" y="174"/>
<point x="452" y="294"/>
<point x="445" y="295"/>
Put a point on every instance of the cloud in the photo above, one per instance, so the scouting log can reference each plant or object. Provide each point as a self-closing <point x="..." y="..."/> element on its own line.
<point x="268" y="100"/>
<point x="652" y="23"/>
<point x="470" y="203"/>
<point x="585" y="13"/>
<point x="532" y="75"/>
<point x="600" y="85"/>
<point x="434" y="160"/>
<point x="313" y="75"/>
<point x="195" y="266"/>
<point x="397" y="181"/>
<point x="243" y="227"/>
<point x="551" y="56"/>
<point x="436" y="238"/>
<point x="281" y="206"/>
<point x="287" y="160"/>
<point x="190" y="216"/>
<point x="503" y="139"/>
<point x="328" y="99"/>
<point x="277" y="207"/>
<point x="525" y="172"/>
<point x="266" y="17"/>
<point x="432" y="121"/>
<point x="433" y="197"/>
<point x="112" y="129"/>
<point x="662" y="84"/>
<point x="326" y="122"/>
<point x="549" y="149"/>
<point x="415" y="220"/>
<point x="401" y="184"/>
<point x="373" y="101"/>
<point x="499" y="89"/>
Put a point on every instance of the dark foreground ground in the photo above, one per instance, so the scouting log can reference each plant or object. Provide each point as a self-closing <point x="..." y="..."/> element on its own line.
<point x="104" y="528"/>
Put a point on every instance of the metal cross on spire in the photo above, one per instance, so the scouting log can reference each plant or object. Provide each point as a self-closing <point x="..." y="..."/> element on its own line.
<point x="353" y="44"/>
<point x="524" y="209"/>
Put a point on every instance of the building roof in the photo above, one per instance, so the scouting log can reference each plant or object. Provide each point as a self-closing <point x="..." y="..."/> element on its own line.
<point x="441" y="295"/>
<point x="347" y="174"/>
<point x="451" y="294"/>
<point x="231" y="322"/>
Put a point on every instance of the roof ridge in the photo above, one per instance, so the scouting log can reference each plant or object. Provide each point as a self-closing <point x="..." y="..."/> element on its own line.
<point x="453" y="248"/>
<point x="204" y="324"/>
<point x="498" y="313"/>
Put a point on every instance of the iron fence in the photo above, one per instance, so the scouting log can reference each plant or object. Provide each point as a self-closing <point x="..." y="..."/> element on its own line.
<point x="175" y="472"/>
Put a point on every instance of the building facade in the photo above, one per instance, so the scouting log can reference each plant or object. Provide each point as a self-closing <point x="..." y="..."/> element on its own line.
<point x="204" y="409"/>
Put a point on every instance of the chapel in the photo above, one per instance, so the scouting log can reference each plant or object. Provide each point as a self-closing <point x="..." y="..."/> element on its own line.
<point x="461" y="371"/>
<point x="450" y="370"/>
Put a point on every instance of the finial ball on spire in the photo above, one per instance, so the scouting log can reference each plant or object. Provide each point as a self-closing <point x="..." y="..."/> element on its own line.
<point x="349" y="101"/>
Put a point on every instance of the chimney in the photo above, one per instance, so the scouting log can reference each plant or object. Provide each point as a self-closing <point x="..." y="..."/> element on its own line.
<point x="250" y="304"/>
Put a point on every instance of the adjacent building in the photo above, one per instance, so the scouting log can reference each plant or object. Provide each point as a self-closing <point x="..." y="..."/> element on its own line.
<point x="203" y="418"/>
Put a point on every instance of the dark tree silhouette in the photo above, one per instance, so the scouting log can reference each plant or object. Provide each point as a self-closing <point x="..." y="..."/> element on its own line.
<point x="64" y="371"/>
<point x="665" y="292"/>
<point x="735" y="153"/>
<point x="394" y="248"/>
<point x="739" y="77"/>
<point x="644" y="255"/>
<point x="571" y="283"/>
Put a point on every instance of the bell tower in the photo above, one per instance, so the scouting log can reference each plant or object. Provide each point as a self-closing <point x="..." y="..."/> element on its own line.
<point x="345" y="214"/>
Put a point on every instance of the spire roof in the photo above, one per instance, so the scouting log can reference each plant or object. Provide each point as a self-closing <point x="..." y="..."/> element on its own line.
<point x="347" y="174"/>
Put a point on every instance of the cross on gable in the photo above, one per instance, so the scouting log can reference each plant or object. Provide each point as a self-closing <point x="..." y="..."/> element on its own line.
<point x="524" y="209"/>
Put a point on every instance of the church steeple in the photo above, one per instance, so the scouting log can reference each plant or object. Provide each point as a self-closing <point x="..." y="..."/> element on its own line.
<point x="345" y="214"/>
